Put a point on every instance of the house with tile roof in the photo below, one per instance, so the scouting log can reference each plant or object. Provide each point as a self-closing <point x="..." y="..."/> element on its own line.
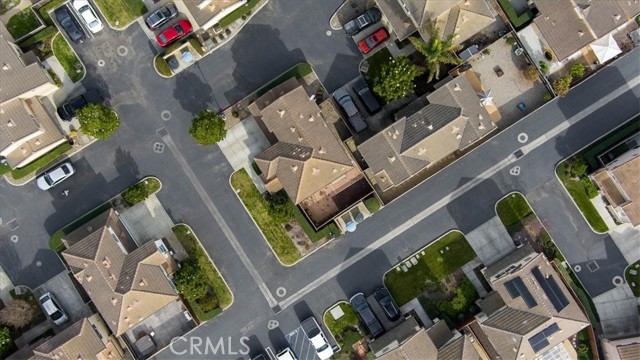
<point x="88" y="338"/>
<point x="449" y="119"/>
<point x="461" y="18"/>
<point x="530" y="314"/>
<point x="619" y="183"/>
<point x="127" y="282"/>
<point x="621" y="349"/>
<point x="306" y="159"/>
<point x="27" y="130"/>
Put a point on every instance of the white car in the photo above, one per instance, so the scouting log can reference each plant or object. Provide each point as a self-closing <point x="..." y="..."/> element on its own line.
<point x="88" y="15"/>
<point x="53" y="310"/>
<point x="315" y="335"/>
<point x="54" y="176"/>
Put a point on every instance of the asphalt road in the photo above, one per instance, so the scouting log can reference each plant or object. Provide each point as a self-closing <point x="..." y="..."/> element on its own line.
<point x="195" y="179"/>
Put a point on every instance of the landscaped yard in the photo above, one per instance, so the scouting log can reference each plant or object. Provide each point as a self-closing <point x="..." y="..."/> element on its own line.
<point x="141" y="191"/>
<point x="22" y="23"/>
<point x="55" y="242"/>
<point x="44" y="10"/>
<point x="516" y="20"/>
<point x="299" y="71"/>
<point x="67" y="58"/>
<point x="40" y="42"/>
<point x="512" y="209"/>
<point x="441" y="259"/>
<point x="120" y="13"/>
<point x="212" y="277"/>
<point x="375" y="62"/>
<point x="632" y="275"/>
<point x="238" y="13"/>
<point x="346" y="329"/>
<point x="38" y="164"/>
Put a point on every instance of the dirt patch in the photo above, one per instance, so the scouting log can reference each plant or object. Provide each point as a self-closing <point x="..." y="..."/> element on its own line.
<point x="301" y="240"/>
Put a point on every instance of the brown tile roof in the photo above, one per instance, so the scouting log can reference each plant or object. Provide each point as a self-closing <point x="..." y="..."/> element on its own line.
<point x="629" y="351"/>
<point x="307" y="156"/>
<point x="414" y="348"/>
<point x="395" y="337"/>
<point x="422" y="11"/>
<point x="18" y="78"/>
<point x="449" y="119"/>
<point x="515" y="321"/>
<point x="127" y="284"/>
<point x="465" y="20"/>
<point x="78" y="341"/>
<point x="626" y="175"/>
<point x="609" y="187"/>
<point x="562" y="27"/>
<point x="397" y="18"/>
<point x="605" y="16"/>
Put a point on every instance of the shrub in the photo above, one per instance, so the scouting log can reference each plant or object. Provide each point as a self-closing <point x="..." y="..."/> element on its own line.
<point x="98" y="121"/>
<point x="576" y="166"/>
<point x="589" y="187"/>
<point x="207" y="128"/>
<point x="372" y="204"/>
<point x="6" y="342"/>
<point x="18" y="314"/>
<point x="577" y="70"/>
<point x="544" y="67"/>
<point x="190" y="281"/>
<point x="196" y="45"/>
<point x="208" y="302"/>
<point x="42" y="35"/>
<point x="55" y="78"/>
<point x="279" y="206"/>
<point x="561" y="85"/>
<point x="583" y="348"/>
<point x="530" y="73"/>
<point x="547" y="97"/>
<point x="395" y="79"/>
<point x="486" y="51"/>
<point x="140" y="191"/>
<point x="162" y="66"/>
<point x="510" y="40"/>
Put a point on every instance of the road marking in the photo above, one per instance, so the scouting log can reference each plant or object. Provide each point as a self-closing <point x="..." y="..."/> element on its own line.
<point x="122" y="50"/>
<point x="549" y="135"/>
<point x="101" y="63"/>
<point x="165" y="115"/>
<point x="217" y="216"/>
<point x="14" y="238"/>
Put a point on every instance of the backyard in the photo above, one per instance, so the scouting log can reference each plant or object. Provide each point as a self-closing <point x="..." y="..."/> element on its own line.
<point x="346" y="329"/>
<point x="524" y="226"/>
<point x="632" y="275"/>
<point x="434" y="276"/>
<point x="67" y="58"/>
<point x="121" y="13"/>
<point x="211" y="275"/>
<point x="22" y="23"/>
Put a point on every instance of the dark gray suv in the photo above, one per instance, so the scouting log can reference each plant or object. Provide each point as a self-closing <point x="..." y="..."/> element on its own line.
<point x="353" y="115"/>
<point x="360" y="305"/>
<point x="363" y="21"/>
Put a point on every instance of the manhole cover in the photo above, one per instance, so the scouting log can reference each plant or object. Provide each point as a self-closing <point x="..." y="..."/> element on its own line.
<point x="617" y="280"/>
<point x="158" y="147"/>
<point x="272" y="324"/>
<point x="328" y="32"/>
<point x="101" y="63"/>
<point x="518" y="154"/>
<point x="523" y="138"/>
<point x="276" y="309"/>
<point x="515" y="171"/>
<point x="593" y="266"/>
<point x="122" y="50"/>
<point x="281" y="292"/>
<point x="38" y="263"/>
<point x="165" y="115"/>
<point x="14" y="238"/>
<point x="13" y="225"/>
<point x="577" y="268"/>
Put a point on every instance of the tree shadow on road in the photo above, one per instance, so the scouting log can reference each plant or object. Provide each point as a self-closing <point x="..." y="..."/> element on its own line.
<point x="125" y="164"/>
<point x="192" y="93"/>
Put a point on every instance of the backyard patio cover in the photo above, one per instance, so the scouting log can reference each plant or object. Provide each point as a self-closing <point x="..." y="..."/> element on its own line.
<point x="605" y="48"/>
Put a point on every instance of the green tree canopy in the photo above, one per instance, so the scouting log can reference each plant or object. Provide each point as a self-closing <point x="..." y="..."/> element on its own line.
<point x="207" y="128"/>
<point x="190" y="280"/>
<point x="577" y="70"/>
<point x="395" y="79"/>
<point x="561" y="85"/>
<point x="98" y="121"/>
<point x="436" y="51"/>
<point x="5" y="340"/>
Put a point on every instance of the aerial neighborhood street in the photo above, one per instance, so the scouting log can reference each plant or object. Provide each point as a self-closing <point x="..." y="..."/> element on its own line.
<point x="224" y="179"/>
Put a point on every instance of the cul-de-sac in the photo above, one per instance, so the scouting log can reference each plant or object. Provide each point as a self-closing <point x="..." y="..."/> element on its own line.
<point x="320" y="179"/>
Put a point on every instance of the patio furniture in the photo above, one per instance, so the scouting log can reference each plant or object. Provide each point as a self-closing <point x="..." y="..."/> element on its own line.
<point x="522" y="106"/>
<point x="498" y="71"/>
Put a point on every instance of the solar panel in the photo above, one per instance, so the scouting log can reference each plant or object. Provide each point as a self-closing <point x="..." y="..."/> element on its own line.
<point x="551" y="289"/>
<point x="552" y="329"/>
<point x="538" y="342"/>
<point x="511" y="288"/>
<point x="524" y="292"/>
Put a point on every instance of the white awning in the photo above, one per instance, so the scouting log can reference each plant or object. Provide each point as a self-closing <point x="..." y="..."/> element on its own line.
<point x="605" y="48"/>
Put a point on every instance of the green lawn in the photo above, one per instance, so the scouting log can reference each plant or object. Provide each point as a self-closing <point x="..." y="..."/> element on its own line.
<point x="516" y="20"/>
<point x="237" y="14"/>
<point x="635" y="279"/>
<point x="44" y="10"/>
<point x="432" y="267"/>
<point x="191" y="244"/>
<point x="299" y="71"/>
<point x="39" y="164"/>
<point x="512" y="209"/>
<point x="55" y="242"/>
<point x="141" y="191"/>
<point x="257" y="206"/>
<point x="308" y="228"/>
<point x="22" y="23"/>
<point x="67" y="58"/>
<point x="579" y="194"/>
<point x="344" y="329"/>
<point x="120" y="13"/>
<point x="372" y="204"/>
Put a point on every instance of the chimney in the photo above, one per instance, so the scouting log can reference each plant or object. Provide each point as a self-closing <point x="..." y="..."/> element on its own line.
<point x="301" y="116"/>
<point x="481" y="126"/>
<point x="6" y="66"/>
<point x="580" y="33"/>
<point x="334" y="170"/>
<point x="616" y="17"/>
<point x="89" y="278"/>
<point x="457" y="88"/>
<point x="114" y="301"/>
<point x="430" y="127"/>
<point x="322" y="151"/>
<point x="10" y="123"/>
<point x="293" y="129"/>
<point x="480" y="116"/>
<point x="454" y="129"/>
<point x="391" y="158"/>
<point x="300" y="138"/>
<point x="311" y="118"/>
<point x="281" y="113"/>
<point x="142" y="282"/>
<point x="458" y="137"/>
<point x="421" y="151"/>
<point x="294" y="168"/>
<point x="315" y="171"/>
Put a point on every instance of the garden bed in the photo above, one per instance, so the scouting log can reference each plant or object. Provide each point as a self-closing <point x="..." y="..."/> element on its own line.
<point x="244" y="10"/>
<point x="212" y="277"/>
<point x="141" y="191"/>
<point x="346" y="330"/>
<point x="633" y="279"/>
<point x="121" y="13"/>
<point x="23" y="23"/>
<point x="38" y="164"/>
<point x="67" y="58"/>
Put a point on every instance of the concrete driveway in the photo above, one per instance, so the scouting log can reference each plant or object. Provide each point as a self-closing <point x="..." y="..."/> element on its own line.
<point x="491" y="241"/>
<point x="618" y="311"/>
<point x="244" y="141"/>
<point x="68" y="296"/>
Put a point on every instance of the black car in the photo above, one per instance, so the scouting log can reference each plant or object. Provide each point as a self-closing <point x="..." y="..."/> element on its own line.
<point x="68" y="110"/>
<point x="161" y="16"/>
<point x="356" y="25"/>
<point x="361" y="88"/>
<point x="70" y="25"/>
<point x="360" y="305"/>
<point x="353" y="115"/>
<point x="386" y="303"/>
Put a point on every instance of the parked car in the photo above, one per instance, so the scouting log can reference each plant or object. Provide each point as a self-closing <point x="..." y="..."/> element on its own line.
<point x="383" y="298"/>
<point x="70" y="25"/>
<point x="55" y="175"/>
<point x="369" y="100"/>
<point x="53" y="310"/>
<point x="176" y="32"/>
<point x="68" y="110"/>
<point x="358" y="24"/>
<point x="286" y="354"/>
<point x="313" y="331"/>
<point x="161" y="16"/>
<point x="353" y="115"/>
<point x="367" y="44"/>
<point x="360" y="305"/>
<point x="88" y="15"/>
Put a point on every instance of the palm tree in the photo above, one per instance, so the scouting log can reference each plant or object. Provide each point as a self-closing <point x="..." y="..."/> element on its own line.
<point x="436" y="51"/>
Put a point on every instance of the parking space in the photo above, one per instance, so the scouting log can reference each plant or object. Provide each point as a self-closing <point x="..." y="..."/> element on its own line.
<point x="376" y="121"/>
<point x="301" y="345"/>
<point x="65" y="291"/>
<point x="379" y="313"/>
<point x="183" y="14"/>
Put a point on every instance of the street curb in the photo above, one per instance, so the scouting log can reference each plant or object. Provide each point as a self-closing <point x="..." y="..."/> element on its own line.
<point x="417" y="251"/>
<point x="156" y="69"/>
<point x="324" y="322"/>
<point x="212" y="263"/>
<point x="84" y="68"/>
